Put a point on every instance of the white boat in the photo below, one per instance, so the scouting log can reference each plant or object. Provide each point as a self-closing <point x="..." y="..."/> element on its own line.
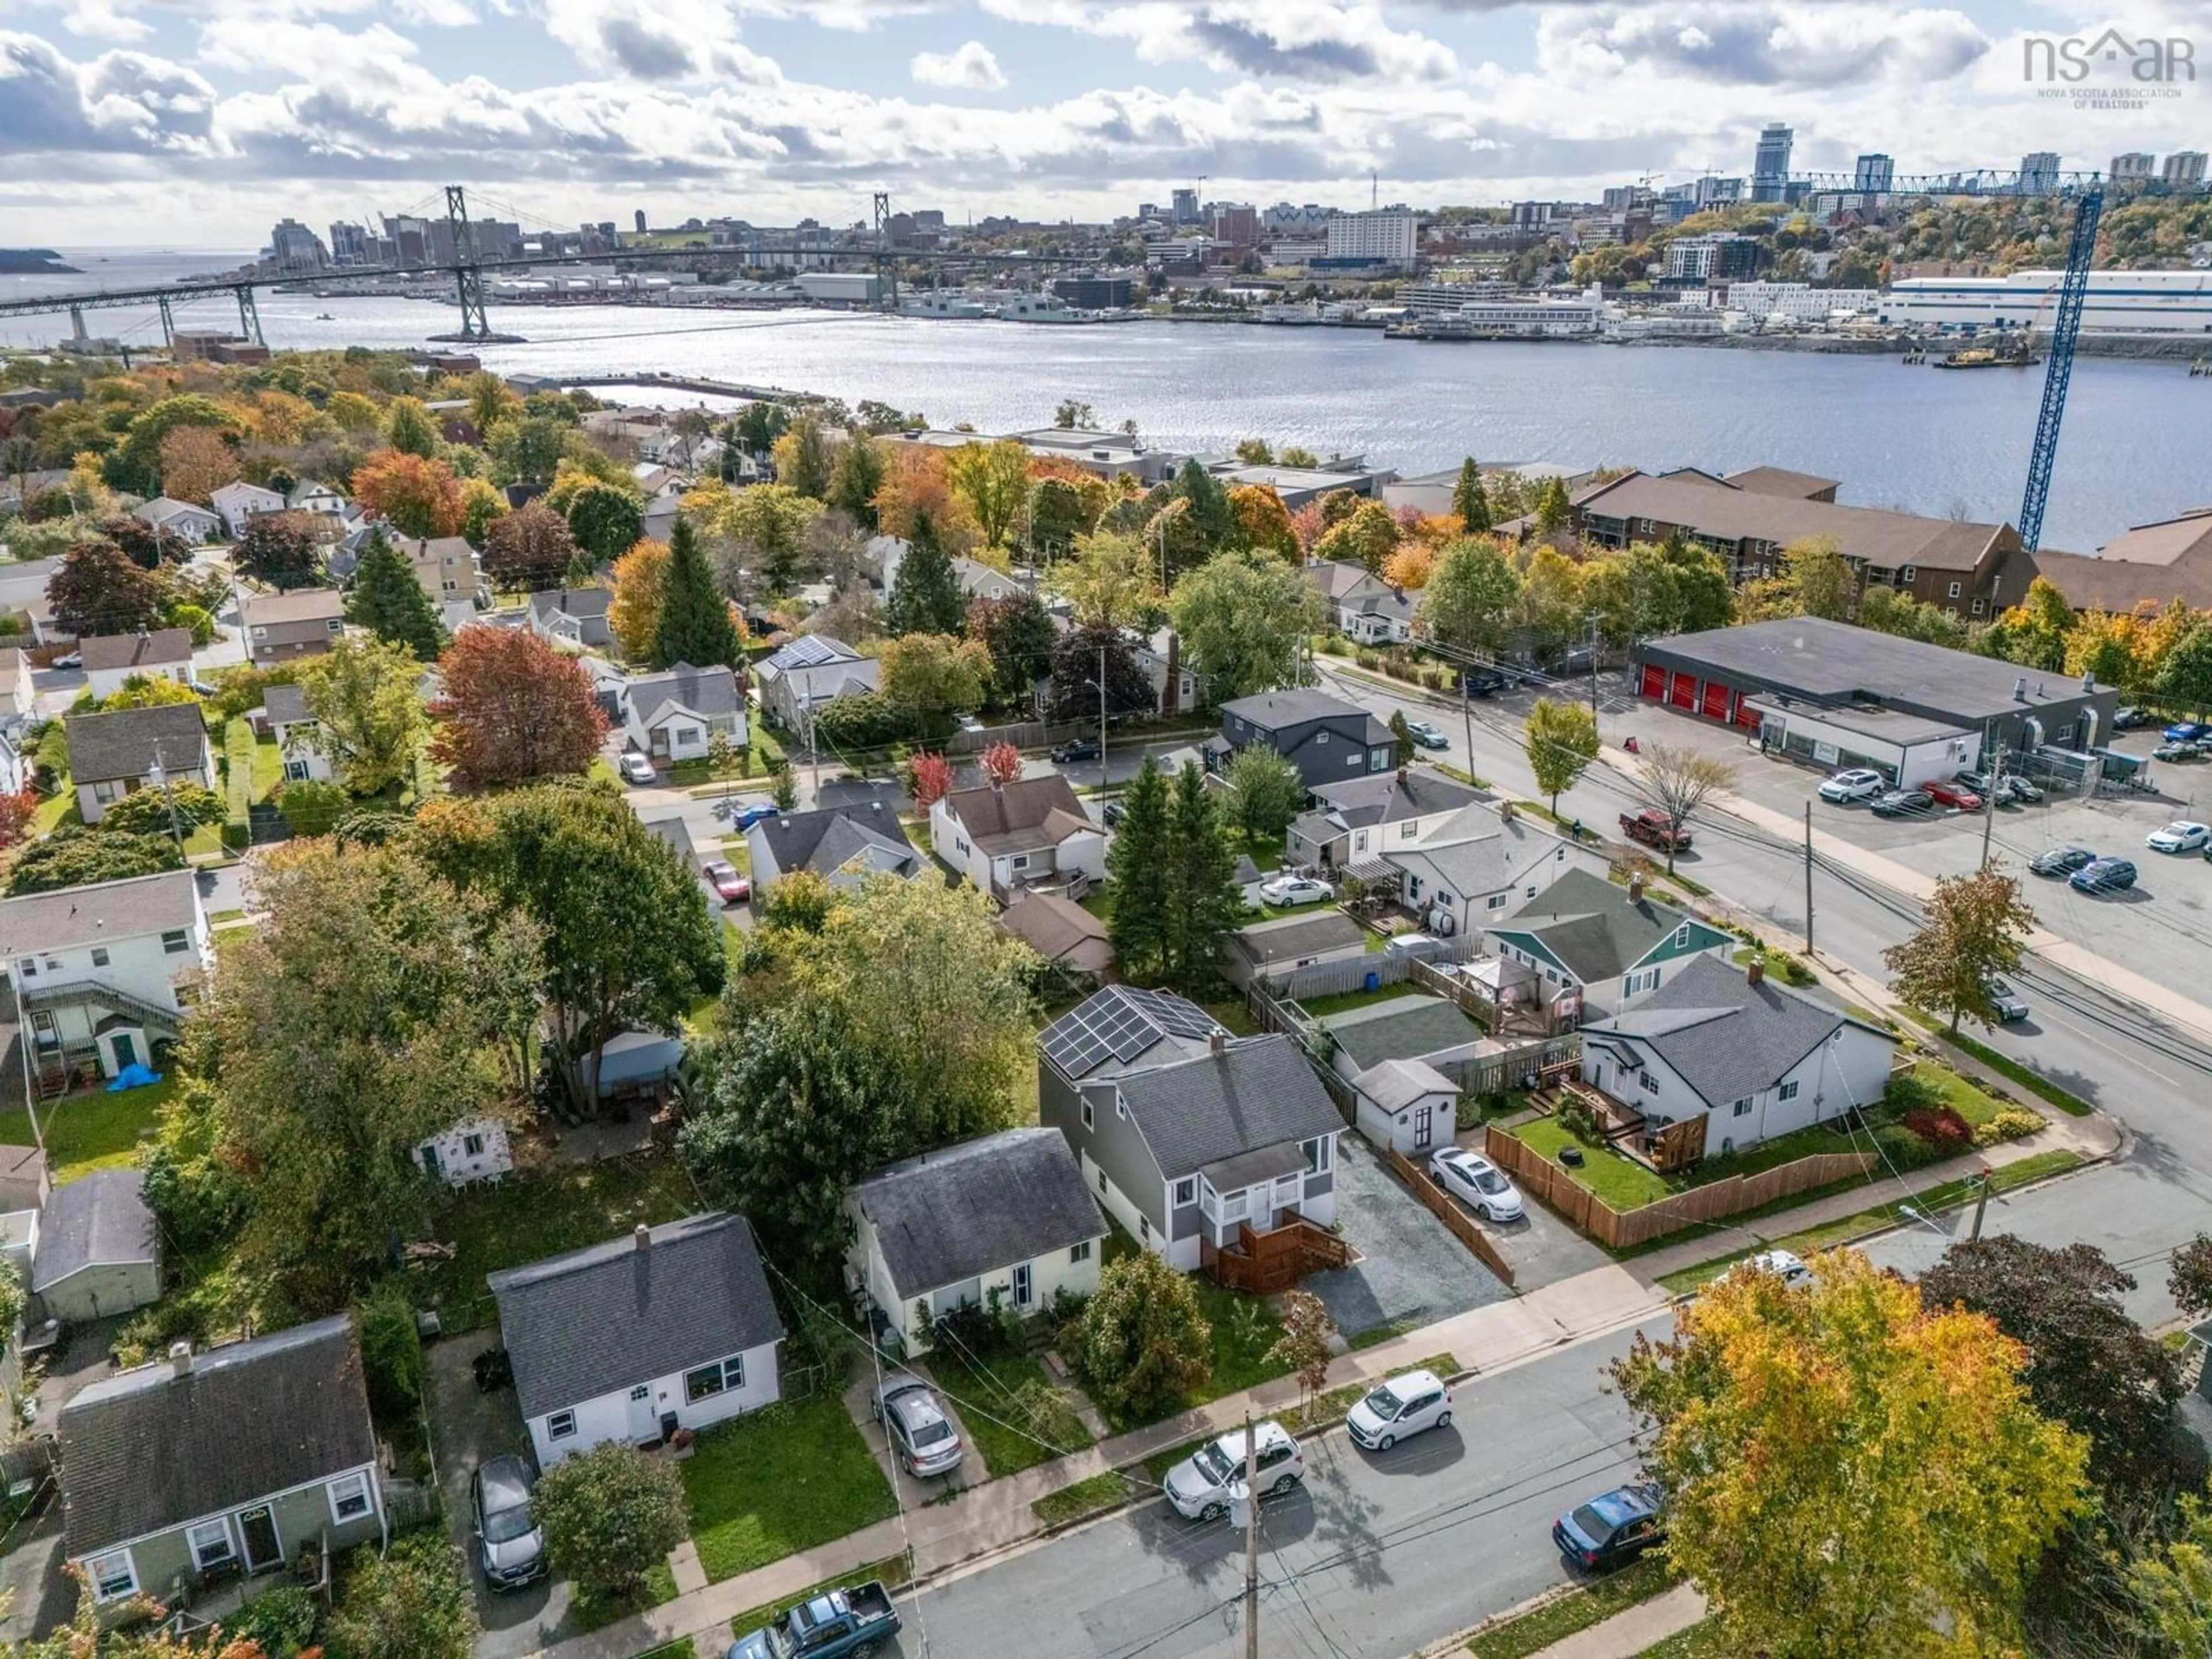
<point x="1045" y="308"/>
<point x="942" y="302"/>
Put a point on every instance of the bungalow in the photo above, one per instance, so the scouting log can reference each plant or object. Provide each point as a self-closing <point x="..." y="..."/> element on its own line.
<point x="800" y="676"/>
<point x="1360" y="603"/>
<point x="1185" y="1133"/>
<point x="1005" y="837"/>
<point x="1003" y="1222"/>
<point x="1324" y="737"/>
<point x="18" y="696"/>
<point x="1594" y="946"/>
<point x="1361" y="818"/>
<point x="97" y="969"/>
<point x="187" y="523"/>
<point x="98" y="1252"/>
<point x="204" y="1465"/>
<point x="572" y="616"/>
<point x="1754" y="1059"/>
<point x="1469" y="870"/>
<point x="240" y="503"/>
<point x="843" y="845"/>
<point x="1268" y="949"/>
<point x="475" y="1149"/>
<point x="166" y="654"/>
<point x="1061" y="932"/>
<point x="126" y="749"/>
<point x="671" y="1328"/>
<point x="284" y="713"/>
<point x="309" y="497"/>
<point x="674" y="715"/>
<point x="446" y="566"/>
<point x="283" y="628"/>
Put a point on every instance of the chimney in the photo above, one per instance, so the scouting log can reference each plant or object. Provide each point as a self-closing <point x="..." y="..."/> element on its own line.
<point x="181" y="1359"/>
<point x="2020" y="689"/>
<point x="1402" y="777"/>
<point x="641" y="1236"/>
<point x="1217" y="1040"/>
<point x="1636" y="887"/>
<point x="1755" y="973"/>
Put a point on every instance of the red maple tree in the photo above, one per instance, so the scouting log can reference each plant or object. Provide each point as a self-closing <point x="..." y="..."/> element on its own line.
<point x="931" y="779"/>
<point x="513" y="708"/>
<point x="1002" y="763"/>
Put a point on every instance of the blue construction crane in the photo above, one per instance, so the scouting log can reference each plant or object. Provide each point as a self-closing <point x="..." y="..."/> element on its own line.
<point x="2072" y="292"/>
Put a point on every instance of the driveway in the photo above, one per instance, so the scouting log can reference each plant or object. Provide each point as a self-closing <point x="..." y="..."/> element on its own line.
<point x="470" y="1426"/>
<point x="1411" y="1271"/>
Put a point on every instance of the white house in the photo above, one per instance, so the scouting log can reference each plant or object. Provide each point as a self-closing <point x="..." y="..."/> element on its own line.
<point x="1477" y="865"/>
<point x="1031" y="831"/>
<point x="240" y="503"/>
<point x="309" y="497"/>
<point x="124" y="751"/>
<point x="97" y="969"/>
<point x="674" y="715"/>
<point x="1004" y="1221"/>
<point x="164" y="653"/>
<point x="1754" y="1059"/>
<point x="671" y="1328"/>
<point x="1594" y="947"/>
<point x="284" y="712"/>
<point x="180" y="519"/>
<point x="1360" y="818"/>
<point x="475" y="1149"/>
<point x="843" y="845"/>
<point x="1360" y="603"/>
<point x="802" y="676"/>
<point x="18" y="696"/>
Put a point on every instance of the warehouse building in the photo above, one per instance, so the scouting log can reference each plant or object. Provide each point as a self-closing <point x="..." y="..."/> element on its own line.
<point x="1834" y="694"/>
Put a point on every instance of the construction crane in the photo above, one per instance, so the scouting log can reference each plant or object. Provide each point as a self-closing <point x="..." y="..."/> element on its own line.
<point x="2058" y="370"/>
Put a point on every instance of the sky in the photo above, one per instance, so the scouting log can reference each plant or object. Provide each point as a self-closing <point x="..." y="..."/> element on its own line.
<point x="198" y="123"/>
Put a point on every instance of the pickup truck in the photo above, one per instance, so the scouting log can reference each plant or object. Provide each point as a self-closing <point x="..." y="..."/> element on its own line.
<point x="842" y="1623"/>
<point x="1650" y="827"/>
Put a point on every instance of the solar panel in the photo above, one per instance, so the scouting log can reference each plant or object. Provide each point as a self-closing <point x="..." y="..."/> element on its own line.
<point x="1121" y="1022"/>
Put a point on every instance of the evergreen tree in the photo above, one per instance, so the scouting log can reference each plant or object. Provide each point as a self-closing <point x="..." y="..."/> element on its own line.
<point x="694" y="625"/>
<point x="1469" y="502"/>
<point x="391" y="603"/>
<point x="856" y="477"/>
<point x="1208" y="503"/>
<point x="1138" y="864"/>
<point x="925" y="597"/>
<point x="1204" y="905"/>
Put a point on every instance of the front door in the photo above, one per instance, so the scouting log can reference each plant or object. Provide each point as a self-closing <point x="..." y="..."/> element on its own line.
<point x="644" y="1422"/>
<point x="126" y="1051"/>
<point x="258" y="1528"/>
<point x="1262" y="1214"/>
<point x="1424" y="1126"/>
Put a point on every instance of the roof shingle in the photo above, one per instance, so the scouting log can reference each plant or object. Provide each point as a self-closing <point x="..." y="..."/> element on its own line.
<point x="950" y="1215"/>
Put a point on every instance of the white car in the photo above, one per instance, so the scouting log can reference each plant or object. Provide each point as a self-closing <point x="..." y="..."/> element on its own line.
<point x="1201" y="1486"/>
<point x="637" y="767"/>
<point x="1296" y="889"/>
<point x="1474" y="1178"/>
<point x="1857" y="784"/>
<point x="1398" y="1406"/>
<point x="2179" y="836"/>
<point x="1784" y="1264"/>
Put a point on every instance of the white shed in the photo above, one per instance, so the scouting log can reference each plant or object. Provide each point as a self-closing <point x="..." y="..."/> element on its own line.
<point x="1406" y="1105"/>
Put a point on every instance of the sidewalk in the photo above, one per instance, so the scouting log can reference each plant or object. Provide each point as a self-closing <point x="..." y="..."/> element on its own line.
<point x="996" y="1516"/>
<point x="1631" y="1630"/>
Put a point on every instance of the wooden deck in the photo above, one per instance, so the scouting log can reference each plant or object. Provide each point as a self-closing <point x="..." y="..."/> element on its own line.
<point x="1266" y="1263"/>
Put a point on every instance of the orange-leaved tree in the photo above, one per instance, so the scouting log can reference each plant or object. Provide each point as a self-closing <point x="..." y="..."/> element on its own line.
<point x="416" y="497"/>
<point x="513" y="709"/>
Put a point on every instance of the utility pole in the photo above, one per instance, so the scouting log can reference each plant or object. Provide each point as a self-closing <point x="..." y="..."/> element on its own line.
<point x="1981" y="1199"/>
<point x="1809" y="878"/>
<point x="1251" y="1541"/>
<point x="1990" y="807"/>
<point x="158" y="777"/>
<point x="1593" y="657"/>
<point x="1466" y="719"/>
<point x="1102" y="717"/>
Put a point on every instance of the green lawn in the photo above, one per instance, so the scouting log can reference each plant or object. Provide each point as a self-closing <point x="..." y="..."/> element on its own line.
<point x="1323" y="1008"/>
<point x="268" y="768"/>
<point x="1100" y="1492"/>
<point x="1233" y="1017"/>
<point x="98" y="1130"/>
<point x="1701" y="1641"/>
<point x="1621" y="1183"/>
<point x="57" y="810"/>
<point x="783" y="1479"/>
<point x="538" y="1212"/>
<point x="1561" y="1617"/>
<point x="2006" y="1067"/>
<point x="591" y="1613"/>
<point x="1244" y="1328"/>
<point x="1010" y="1437"/>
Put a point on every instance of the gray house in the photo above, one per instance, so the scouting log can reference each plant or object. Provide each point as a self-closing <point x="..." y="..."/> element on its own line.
<point x="122" y="752"/>
<point x="1325" y="737"/>
<point x="99" y="1253"/>
<point x="1267" y="949"/>
<point x="675" y="715"/>
<point x="203" y="1466"/>
<point x="844" y="845"/>
<point x="1185" y="1133"/>
<point x="572" y="616"/>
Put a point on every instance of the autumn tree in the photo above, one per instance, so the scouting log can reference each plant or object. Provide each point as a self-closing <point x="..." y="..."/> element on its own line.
<point x="2184" y="679"/>
<point x="283" y="550"/>
<point x="1469" y="505"/>
<point x="994" y="480"/>
<point x="196" y="462"/>
<point x="1409" y="569"/>
<point x="391" y="603"/>
<point x="1848" y="1470"/>
<point x="482" y="507"/>
<point x="1470" y="601"/>
<point x="1143" y="1343"/>
<point x="1018" y="632"/>
<point x="1107" y="580"/>
<point x="929" y="778"/>
<point x="1244" y="618"/>
<point x="99" y="589"/>
<point x="1814" y="579"/>
<point x="765" y="529"/>
<point x="854" y="479"/>
<point x="409" y="428"/>
<point x="2034" y="633"/>
<point x="1555" y="509"/>
<point x="694" y="625"/>
<point x="512" y="709"/>
<point x="1676" y="781"/>
<point x="1367" y="535"/>
<point x="1002" y="763"/>
<point x="1561" y="741"/>
<point x="1262" y="523"/>
<point x="1304" y="1345"/>
<point x="634" y="613"/>
<point x="1976" y="927"/>
<point x="527" y="448"/>
<point x="929" y="677"/>
<point x="605" y="521"/>
<point x="415" y="497"/>
<point x="527" y="550"/>
<point x="366" y="697"/>
<point x="412" y="1602"/>
<point x="926" y="596"/>
<point x="803" y="457"/>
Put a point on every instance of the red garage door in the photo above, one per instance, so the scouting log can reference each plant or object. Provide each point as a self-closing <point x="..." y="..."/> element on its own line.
<point x="1745" y="716"/>
<point x="1654" y="680"/>
<point x="1685" y="691"/>
<point x="1717" y="701"/>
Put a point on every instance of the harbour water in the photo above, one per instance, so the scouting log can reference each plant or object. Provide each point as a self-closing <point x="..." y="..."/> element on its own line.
<point x="2137" y="443"/>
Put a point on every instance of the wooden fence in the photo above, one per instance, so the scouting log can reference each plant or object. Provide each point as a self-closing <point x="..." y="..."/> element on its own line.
<point x="1446" y="1209"/>
<point x="1330" y="979"/>
<point x="1620" y="1229"/>
<point x="1026" y="734"/>
<point x="1493" y="1074"/>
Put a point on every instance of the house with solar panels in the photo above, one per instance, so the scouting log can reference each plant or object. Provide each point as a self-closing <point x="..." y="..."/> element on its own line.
<point x="1191" y="1139"/>
<point x="800" y="676"/>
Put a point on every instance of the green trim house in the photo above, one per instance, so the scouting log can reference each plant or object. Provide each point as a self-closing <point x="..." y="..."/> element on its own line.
<point x="1594" y="947"/>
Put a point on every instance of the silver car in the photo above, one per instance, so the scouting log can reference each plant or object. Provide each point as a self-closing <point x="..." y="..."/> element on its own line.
<point x="1473" y="1179"/>
<point x="637" y="769"/>
<point x="920" y="1434"/>
<point x="1201" y="1487"/>
<point x="510" y="1547"/>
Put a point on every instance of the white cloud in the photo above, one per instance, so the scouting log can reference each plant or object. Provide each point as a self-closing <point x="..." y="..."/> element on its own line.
<point x="972" y="67"/>
<point x="1763" y="44"/>
<point x="101" y="20"/>
<point x="656" y="40"/>
<point x="1313" y="40"/>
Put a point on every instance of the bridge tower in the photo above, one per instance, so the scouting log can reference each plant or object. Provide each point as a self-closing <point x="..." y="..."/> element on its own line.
<point x="468" y="277"/>
<point x="249" y="315"/>
<point x="886" y="263"/>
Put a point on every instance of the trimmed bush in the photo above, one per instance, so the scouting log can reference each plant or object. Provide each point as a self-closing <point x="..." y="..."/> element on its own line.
<point x="2010" y="1123"/>
<point x="238" y="784"/>
<point x="1941" y="1127"/>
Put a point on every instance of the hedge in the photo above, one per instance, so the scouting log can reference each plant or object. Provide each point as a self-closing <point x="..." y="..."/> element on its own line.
<point x="237" y="785"/>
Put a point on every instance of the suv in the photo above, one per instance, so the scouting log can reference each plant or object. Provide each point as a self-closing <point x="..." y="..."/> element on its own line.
<point x="509" y="1545"/>
<point x="1858" y="783"/>
<point x="920" y="1433"/>
<point x="1398" y="1406"/>
<point x="1199" y="1487"/>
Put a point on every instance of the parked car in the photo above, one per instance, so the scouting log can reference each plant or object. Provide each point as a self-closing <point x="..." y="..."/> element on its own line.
<point x="1199" y="1487"/>
<point x="1858" y="783"/>
<point x="2131" y="718"/>
<point x="2177" y="750"/>
<point x="1952" y="794"/>
<point x="2186" y="731"/>
<point x="1649" y="825"/>
<point x="1111" y="815"/>
<point x="838" y="1624"/>
<point x="2008" y="1003"/>
<point x="1427" y="736"/>
<point x="2182" y="835"/>
<point x="920" y="1434"/>
<point x="1477" y="1181"/>
<point x="2103" y="876"/>
<point x="1076" y="748"/>
<point x="1296" y="889"/>
<point x="510" y="1546"/>
<point x="1484" y="682"/>
<point x="753" y="812"/>
<point x="1785" y="1264"/>
<point x="2013" y="788"/>
<point x="1979" y="782"/>
<point x="636" y="769"/>
<point x="68" y="659"/>
<point x="1398" y="1406"/>
<point x="2061" y="860"/>
<point x="1612" y="1530"/>
<point x="1901" y="803"/>
<point x="729" y="886"/>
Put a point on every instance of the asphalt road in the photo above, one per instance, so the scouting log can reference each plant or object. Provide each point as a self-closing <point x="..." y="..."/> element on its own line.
<point x="1375" y="1555"/>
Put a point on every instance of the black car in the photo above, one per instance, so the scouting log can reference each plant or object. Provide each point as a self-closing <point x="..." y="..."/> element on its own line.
<point x="1904" y="803"/>
<point x="2062" y="860"/>
<point x="509" y="1545"/>
<point x="1076" y="748"/>
<point x="1612" y="1530"/>
<point x="1484" y="682"/>
<point x="2131" y="720"/>
<point x="1111" y="815"/>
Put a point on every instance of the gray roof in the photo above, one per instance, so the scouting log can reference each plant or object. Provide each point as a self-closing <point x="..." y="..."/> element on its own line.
<point x="600" y="1319"/>
<point x="678" y="835"/>
<point x="1271" y="711"/>
<point x="1727" y="1037"/>
<point x="831" y="837"/>
<point x="100" y="1220"/>
<point x="298" y="604"/>
<point x="140" y="650"/>
<point x="1257" y="1092"/>
<point x="1298" y="936"/>
<point x="807" y="651"/>
<point x="125" y="743"/>
<point x="1396" y="1083"/>
<point x="1392" y="797"/>
<point x="703" y="691"/>
<point x="584" y="601"/>
<point x="285" y="705"/>
<point x="1026" y="814"/>
<point x="1400" y="1028"/>
<point x="1477" y="857"/>
<point x="130" y="908"/>
<point x="162" y="509"/>
<point x="146" y="1450"/>
<point x="952" y="1214"/>
<point x="1593" y="926"/>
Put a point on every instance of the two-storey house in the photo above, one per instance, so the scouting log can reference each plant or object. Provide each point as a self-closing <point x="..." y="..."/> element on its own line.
<point x="282" y="627"/>
<point x="1359" y="603"/>
<point x="124" y="751"/>
<point x="1470" y="870"/>
<point x="1360" y="819"/>
<point x="240" y="503"/>
<point x="1325" y="738"/>
<point x="1595" y="947"/>
<point x="298" y="733"/>
<point x="799" y="677"/>
<point x="446" y="566"/>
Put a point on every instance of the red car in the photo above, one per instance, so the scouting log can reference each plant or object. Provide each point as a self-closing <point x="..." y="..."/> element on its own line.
<point x="727" y="883"/>
<point x="1953" y="795"/>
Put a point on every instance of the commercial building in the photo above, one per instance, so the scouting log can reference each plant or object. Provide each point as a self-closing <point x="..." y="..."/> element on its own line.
<point x="1712" y="258"/>
<point x="1770" y="167"/>
<point x="2118" y="301"/>
<point x="1185" y="207"/>
<point x="2152" y="564"/>
<point x="850" y="287"/>
<point x="2038" y="170"/>
<point x="1799" y="300"/>
<point x="2137" y="166"/>
<point x="1875" y="172"/>
<point x="1383" y="236"/>
<point x="1096" y="293"/>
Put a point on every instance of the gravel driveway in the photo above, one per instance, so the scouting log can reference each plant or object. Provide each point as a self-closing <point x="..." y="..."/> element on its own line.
<point x="1410" y="1269"/>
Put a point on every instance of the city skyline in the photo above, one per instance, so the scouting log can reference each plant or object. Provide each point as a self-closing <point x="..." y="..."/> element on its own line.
<point x="142" y="122"/>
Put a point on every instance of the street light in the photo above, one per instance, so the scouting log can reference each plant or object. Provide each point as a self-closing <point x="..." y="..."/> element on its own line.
<point x="1099" y="684"/>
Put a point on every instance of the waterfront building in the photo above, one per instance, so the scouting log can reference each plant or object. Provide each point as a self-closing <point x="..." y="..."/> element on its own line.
<point x="1801" y="301"/>
<point x="1237" y="224"/>
<point x="1531" y="319"/>
<point x="2152" y="564"/>
<point x="293" y="247"/>
<point x="1874" y="172"/>
<point x="1441" y="296"/>
<point x="1382" y="236"/>
<point x="1712" y="257"/>
<point x="351" y="245"/>
<point x="2137" y="166"/>
<point x="2038" y="170"/>
<point x="2184" y="169"/>
<point x="1770" y="167"/>
<point x="2119" y="302"/>
<point x="1096" y="293"/>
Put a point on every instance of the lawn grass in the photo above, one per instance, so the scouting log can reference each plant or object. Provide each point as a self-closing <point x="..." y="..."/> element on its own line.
<point x="2006" y="1067"/>
<point x="1233" y="1017"/>
<point x="780" y="1479"/>
<point x="57" y="810"/>
<point x="891" y="1571"/>
<point x="1700" y="1641"/>
<point x="1008" y="1438"/>
<point x="1381" y="1334"/>
<point x="1244" y="1328"/>
<point x="537" y="1212"/>
<point x="217" y="918"/>
<point x="268" y="768"/>
<point x="1563" y="1615"/>
<point x="1101" y="1491"/>
<point x="1620" y="1182"/>
<point x="90" y="1131"/>
<point x="591" y="1613"/>
<point x="1342" y="1002"/>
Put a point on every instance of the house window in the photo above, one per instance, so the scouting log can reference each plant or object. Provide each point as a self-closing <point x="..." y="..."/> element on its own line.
<point x="295" y="771"/>
<point x="348" y="1497"/>
<point x="561" y="1425"/>
<point x="1954" y="590"/>
<point x="1145" y="1229"/>
<point x="211" y="1546"/>
<point x="1682" y="936"/>
<point x="1650" y="1083"/>
<point x="1981" y="605"/>
<point x="1908" y="572"/>
<point x="1102" y="1183"/>
<point x="711" y="1380"/>
<point x="1787" y="1092"/>
<point x="112" y="1576"/>
<point x="1319" y="1154"/>
<point x="1531" y="890"/>
<point x="473" y="1146"/>
<point x="28" y="967"/>
<point x="1024" y="1285"/>
<point x="1406" y="829"/>
<point x="1186" y="1191"/>
<point x="176" y="942"/>
<point x="1741" y="1108"/>
<point x="100" y="956"/>
<point x="336" y="625"/>
<point x="1320" y="739"/>
<point x="1078" y="1253"/>
<point x="1019" y="861"/>
<point x="1496" y="901"/>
